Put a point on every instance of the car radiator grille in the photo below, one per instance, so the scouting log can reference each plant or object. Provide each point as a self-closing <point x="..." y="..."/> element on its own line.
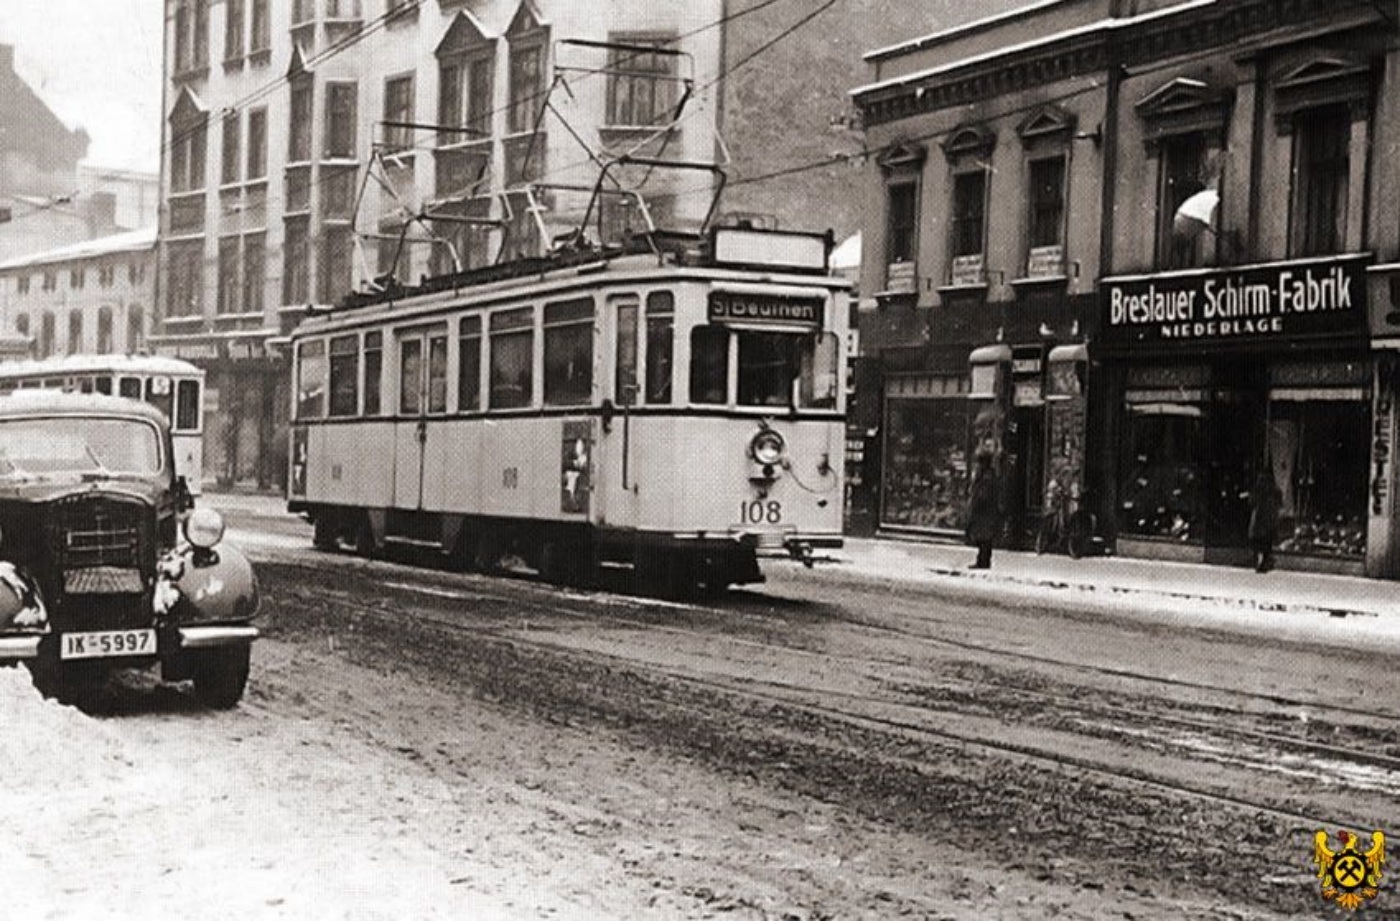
<point x="92" y="531"/>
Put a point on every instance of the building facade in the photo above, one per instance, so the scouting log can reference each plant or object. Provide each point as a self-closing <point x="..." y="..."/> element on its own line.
<point x="314" y="146"/>
<point x="92" y="297"/>
<point x="1225" y="187"/>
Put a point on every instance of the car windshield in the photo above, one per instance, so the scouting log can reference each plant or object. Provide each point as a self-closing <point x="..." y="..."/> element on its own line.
<point x="78" y="444"/>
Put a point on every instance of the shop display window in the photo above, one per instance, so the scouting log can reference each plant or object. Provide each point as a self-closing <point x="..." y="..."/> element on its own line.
<point x="1318" y="454"/>
<point x="926" y="463"/>
<point x="1162" y="489"/>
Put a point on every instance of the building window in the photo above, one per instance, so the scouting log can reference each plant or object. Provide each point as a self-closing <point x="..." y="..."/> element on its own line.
<point x="1183" y="174"/>
<point x="345" y="375"/>
<point x="1321" y="170"/>
<point x="135" y="328"/>
<point x="337" y="253"/>
<point x="254" y="271"/>
<point x="135" y="273"/>
<point x="969" y="213"/>
<point x="186" y="274"/>
<point x="22" y="284"/>
<point x="299" y="126"/>
<point x="230" y="277"/>
<point x="901" y="234"/>
<point x="228" y="171"/>
<point x="77" y="278"/>
<point x="343" y="10"/>
<point x="469" y="365"/>
<point x="22" y="324"/>
<point x="107" y="275"/>
<point x="256" y="167"/>
<point x="641" y="82"/>
<point x="187" y="152"/>
<point x="50" y="281"/>
<point x="47" y="326"/>
<point x="464" y="98"/>
<point x="340" y="120"/>
<point x="398" y="112"/>
<point x="75" y="332"/>
<point x="303" y="12"/>
<point x="296" y="269"/>
<point x="104" y="330"/>
<point x="233" y="30"/>
<point x="512" y="358"/>
<point x="191" y="36"/>
<point x="260" y="39"/>
<point x="526" y="85"/>
<point x="568" y="352"/>
<point x="1047" y="214"/>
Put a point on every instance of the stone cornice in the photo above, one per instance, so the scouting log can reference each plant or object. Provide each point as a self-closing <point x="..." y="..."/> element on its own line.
<point x="1090" y="51"/>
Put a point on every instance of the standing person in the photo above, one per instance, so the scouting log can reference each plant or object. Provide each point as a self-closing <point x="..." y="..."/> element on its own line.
<point x="1264" y="501"/>
<point x="983" y="514"/>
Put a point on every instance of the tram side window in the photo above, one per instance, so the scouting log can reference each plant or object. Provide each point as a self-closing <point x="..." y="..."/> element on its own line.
<point x="661" y="322"/>
<point x="512" y="358"/>
<point x="161" y="394"/>
<point x="411" y="377"/>
<point x="345" y="375"/>
<point x="374" y="367"/>
<point x="709" y="364"/>
<point x="469" y="365"/>
<point x="186" y="405"/>
<point x="311" y="380"/>
<point x="437" y="374"/>
<point x="130" y="387"/>
<point x="568" y="352"/>
<point x="625" y="382"/>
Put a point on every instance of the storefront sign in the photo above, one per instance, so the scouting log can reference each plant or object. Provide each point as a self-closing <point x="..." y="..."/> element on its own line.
<point x="736" y="307"/>
<point x="1314" y="297"/>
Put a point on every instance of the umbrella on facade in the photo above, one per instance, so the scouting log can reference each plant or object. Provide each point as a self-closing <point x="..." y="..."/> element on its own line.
<point x="1196" y="214"/>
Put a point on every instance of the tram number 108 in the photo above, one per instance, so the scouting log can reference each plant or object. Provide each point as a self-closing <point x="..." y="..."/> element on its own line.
<point x="760" y="512"/>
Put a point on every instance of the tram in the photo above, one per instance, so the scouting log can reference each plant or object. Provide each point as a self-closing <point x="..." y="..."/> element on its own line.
<point x="673" y="406"/>
<point x="173" y="386"/>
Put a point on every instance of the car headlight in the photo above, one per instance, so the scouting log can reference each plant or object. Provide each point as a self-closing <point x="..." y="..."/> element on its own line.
<point x="204" y="528"/>
<point x="767" y="447"/>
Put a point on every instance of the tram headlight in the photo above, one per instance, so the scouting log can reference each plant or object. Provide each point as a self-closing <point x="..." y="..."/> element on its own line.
<point x="767" y="447"/>
<point x="204" y="528"/>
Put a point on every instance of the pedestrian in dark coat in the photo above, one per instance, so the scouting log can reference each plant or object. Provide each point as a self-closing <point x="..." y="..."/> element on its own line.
<point x="983" y="512"/>
<point x="1264" y="501"/>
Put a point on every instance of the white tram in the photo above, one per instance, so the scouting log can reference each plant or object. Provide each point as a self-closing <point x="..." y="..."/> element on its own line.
<point x="173" y="386"/>
<point x="675" y="409"/>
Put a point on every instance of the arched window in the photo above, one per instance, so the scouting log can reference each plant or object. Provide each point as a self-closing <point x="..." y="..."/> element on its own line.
<point x="75" y="332"/>
<point x="135" y="329"/>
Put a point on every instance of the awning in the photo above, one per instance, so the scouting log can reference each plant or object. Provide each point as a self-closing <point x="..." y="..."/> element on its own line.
<point x="1077" y="352"/>
<point x="990" y="354"/>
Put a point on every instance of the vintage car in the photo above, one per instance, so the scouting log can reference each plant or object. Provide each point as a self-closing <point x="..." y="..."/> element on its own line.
<point x="104" y="561"/>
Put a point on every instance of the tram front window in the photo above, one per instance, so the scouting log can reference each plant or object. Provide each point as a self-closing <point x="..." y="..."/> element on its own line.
<point x="771" y="363"/>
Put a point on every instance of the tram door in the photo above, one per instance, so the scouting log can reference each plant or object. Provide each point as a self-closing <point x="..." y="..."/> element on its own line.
<point x="422" y="392"/>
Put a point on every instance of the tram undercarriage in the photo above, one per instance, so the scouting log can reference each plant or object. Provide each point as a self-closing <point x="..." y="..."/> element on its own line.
<point x="563" y="553"/>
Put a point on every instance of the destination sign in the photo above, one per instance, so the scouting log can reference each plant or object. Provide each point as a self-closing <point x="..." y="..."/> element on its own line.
<point x="780" y="310"/>
<point x="1317" y="297"/>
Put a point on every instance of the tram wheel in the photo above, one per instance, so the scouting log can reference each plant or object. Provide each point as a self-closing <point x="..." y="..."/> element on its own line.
<point x="364" y="539"/>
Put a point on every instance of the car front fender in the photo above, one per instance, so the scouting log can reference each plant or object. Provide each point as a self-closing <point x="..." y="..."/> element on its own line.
<point x="216" y="586"/>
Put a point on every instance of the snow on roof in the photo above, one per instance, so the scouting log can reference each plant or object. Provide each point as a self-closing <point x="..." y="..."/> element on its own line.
<point x="93" y="364"/>
<point x="128" y="242"/>
<point x="1101" y="25"/>
<point x="975" y="25"/>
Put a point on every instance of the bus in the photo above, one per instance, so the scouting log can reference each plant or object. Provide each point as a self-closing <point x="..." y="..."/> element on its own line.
<point x="173" y="386"/>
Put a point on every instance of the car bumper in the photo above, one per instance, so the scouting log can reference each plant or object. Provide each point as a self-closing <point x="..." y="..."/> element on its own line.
<point x="14" y="648"/>
<point x="212" y="637"/>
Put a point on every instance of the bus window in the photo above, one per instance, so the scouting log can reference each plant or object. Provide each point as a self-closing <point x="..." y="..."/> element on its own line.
<point x="709" y="364"/>
<point x="130" y="387"/>
<point x="104" y="385"/>
<point x="85" y="385"/>
<point x="187" y="406"/>
<point x="661" y="315"/>
<point x="161" y="395"/>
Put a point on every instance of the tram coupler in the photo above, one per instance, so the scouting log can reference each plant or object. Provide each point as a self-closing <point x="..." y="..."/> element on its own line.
<point x="801" y="551"/>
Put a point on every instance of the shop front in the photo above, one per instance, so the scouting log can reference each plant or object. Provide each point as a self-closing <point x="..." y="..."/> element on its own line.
<point x="1224" y="379"/>
<point x="927" y="425"/>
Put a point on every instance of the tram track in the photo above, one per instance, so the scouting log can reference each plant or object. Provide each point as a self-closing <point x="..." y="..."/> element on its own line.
<point x="918" y="718"/>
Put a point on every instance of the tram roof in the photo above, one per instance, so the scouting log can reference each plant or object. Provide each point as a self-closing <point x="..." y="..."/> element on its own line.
<point x="98" y="364"/>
